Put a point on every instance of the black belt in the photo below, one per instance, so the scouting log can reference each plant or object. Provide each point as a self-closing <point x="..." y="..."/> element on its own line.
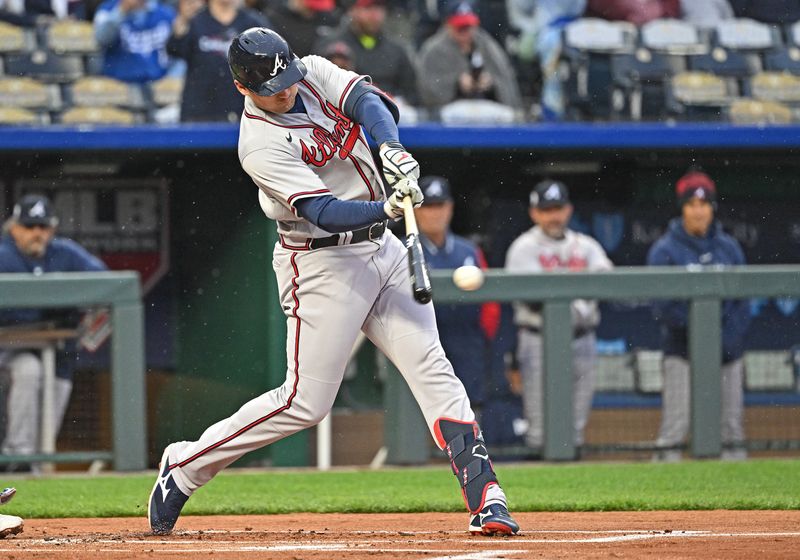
<point x="371" y="233"/>
<point x="576" y="333"/>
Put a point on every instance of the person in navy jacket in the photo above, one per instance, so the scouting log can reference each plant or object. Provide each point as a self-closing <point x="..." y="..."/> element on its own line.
<point x="692" y="240"/>
<point x="466" y="331"/>
<point x="29" y="246"/>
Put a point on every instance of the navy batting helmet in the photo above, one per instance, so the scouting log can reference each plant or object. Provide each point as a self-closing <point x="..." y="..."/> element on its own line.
<point x="262" y="61"/>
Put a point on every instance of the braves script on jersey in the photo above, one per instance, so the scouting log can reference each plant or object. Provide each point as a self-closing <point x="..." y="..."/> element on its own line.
<point x="298" y="155"/>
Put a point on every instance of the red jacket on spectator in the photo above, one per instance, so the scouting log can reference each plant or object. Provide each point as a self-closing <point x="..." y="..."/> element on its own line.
<point x="637" y="12"/>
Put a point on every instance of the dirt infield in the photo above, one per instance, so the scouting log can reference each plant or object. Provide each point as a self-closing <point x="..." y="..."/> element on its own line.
<point x="662" y="535"/>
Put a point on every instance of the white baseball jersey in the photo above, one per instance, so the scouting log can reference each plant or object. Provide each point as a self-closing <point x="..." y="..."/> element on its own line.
<point x="534" y="252"/>
<point x="328" y="294"/>
<point x="293" y="156"/>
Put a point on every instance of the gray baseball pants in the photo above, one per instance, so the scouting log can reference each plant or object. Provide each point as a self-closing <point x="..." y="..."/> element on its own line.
<point x="584" y="368"/>
<point x="676" y="402"/>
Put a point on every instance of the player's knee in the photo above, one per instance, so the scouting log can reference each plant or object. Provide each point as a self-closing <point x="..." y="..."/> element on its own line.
<point x="26" y="368"/>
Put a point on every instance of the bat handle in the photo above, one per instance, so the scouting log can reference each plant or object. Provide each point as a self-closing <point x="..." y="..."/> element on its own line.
<point x="410" y="218"/>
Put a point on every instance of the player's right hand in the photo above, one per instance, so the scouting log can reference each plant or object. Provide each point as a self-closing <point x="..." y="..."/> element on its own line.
<point x="403" y="188"/>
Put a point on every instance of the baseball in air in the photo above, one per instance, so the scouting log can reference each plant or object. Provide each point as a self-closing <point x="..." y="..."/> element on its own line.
<point x="468" y="278"/>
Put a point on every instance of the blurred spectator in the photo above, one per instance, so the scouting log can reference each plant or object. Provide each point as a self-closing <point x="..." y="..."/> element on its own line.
<point x="706" y="13"/>
<point x="637" y="12"/>
<point x="696" y="239"/>
<point x="462" y="61"/>
<point x="466" y="331"/>
<point x="340" y="54"/>
<point x="304" y="21"/>
<point x="29" y="246"/>
<point x="552" y="16"/>
<point x="133" y="35"/>
<point x="768" y="11"/>
<point x="495" y="17"/>
<point x="550" y="246"/>
<point x="375" y="53"/>
<point x="27" y="13"/>
<point x="201" y="36"/>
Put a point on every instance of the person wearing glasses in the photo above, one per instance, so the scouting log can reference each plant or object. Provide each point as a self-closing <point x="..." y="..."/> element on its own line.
<point x="29" y="245"/>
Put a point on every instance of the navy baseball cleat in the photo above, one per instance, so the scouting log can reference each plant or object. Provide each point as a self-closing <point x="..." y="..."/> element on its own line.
<point x="166" y="500"/>
<point x="493" y="520"/>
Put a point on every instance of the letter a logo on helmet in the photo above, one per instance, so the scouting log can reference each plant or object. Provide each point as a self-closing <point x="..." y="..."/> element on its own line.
<point x="279" y="65"/>
<point x="262" y="61"/>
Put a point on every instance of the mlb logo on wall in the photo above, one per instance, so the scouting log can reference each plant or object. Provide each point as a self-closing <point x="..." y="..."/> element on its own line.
<point x="124" y="222"/>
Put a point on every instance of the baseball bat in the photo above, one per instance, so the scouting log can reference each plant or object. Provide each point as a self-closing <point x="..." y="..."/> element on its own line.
<point x="417" y="267"/>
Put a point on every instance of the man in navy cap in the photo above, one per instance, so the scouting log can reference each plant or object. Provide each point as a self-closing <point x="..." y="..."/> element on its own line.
<point x="466" y="331"/>
<point x="695" y="239"/>
<point x="29" y="245"/>
<point x="547" y="247"/>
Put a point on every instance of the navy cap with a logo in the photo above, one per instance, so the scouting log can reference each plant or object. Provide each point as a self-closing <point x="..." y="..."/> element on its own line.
<point x="549" y="194"/>
<point x="435" y="189"/>
<point x="34" y="210"/>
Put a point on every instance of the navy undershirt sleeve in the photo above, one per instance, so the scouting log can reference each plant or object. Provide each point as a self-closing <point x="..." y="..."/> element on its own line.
<point x="334" y="215"/>
<point x="366" y="106"/>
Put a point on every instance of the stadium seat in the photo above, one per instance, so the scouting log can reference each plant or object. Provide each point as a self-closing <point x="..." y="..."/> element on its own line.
<point x="29" y="94"/>
<point x="673" y="36"/>
<point x="97" y="115"/>
<point x="783" y="59"/>
<point x="614" y="373"/>
<point x="166" y="91"/>
<point x="99" y="91"/>
<point x="722" y="62"/>
<point x="776" y="86"/>
<point x="700" y="95"/>
<point x="588" y="45"/>
<point x="639" y="82"/>
<point x="768" y="371"/>
<point x="70" y="36"/>
<point x="16" y="116"/>
<point x="753" y="111"/>
<point x="648" y="370"/>
<point x="746" y="35"/>
<point x="45" y="66"/>
<point x="15" y="39"/>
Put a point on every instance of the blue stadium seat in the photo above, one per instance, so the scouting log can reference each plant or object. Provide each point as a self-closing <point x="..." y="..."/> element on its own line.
<point x="45" y="65"/>
<point x="639" y="82"/>
<point x="588" y="45"/>
<point x="783" y="59"/>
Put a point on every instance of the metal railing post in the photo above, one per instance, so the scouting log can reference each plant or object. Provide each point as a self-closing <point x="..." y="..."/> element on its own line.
<point x="705" y="356"/>
<point x="128" y="387"/>
<point x="559" y="443"/>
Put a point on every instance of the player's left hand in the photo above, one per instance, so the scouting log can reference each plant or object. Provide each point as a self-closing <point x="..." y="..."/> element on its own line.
<point x="403" y="188"/>
<point x="398" y="163"/>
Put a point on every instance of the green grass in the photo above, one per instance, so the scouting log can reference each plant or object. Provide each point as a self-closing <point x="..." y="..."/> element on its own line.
<point x="755" y="484"/>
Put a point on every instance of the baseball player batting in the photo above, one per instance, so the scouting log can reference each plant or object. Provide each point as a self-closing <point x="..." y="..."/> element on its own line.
<point x="302" y="140"/>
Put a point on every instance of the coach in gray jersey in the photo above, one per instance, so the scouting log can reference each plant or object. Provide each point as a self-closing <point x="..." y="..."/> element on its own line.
<point x="550" y="246"/>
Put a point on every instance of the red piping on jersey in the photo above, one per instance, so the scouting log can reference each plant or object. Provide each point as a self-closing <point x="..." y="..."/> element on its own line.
<point x="256" y="117"/>
<point x="363" y="177"/>
<point x="349" y="155"/>
<point x="304" y="193"/>
<point x="294" y="386"/>
<point x="285" y="244"/>
<point x="319" y="100"/>
<point x="346" y="89"/>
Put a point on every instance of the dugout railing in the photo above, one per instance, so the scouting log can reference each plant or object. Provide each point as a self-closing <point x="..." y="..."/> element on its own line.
<point x="704" y="288"/>
<point x="121" y="291"/>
